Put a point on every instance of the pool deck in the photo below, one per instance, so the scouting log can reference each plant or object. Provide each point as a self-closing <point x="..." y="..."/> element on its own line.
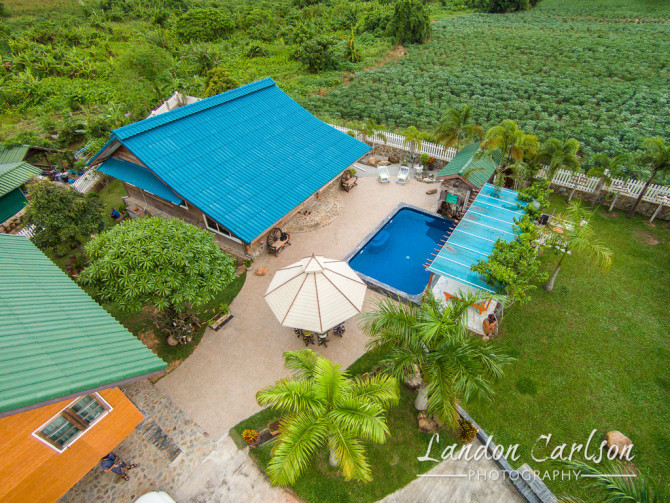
<point x="217" y="385"/>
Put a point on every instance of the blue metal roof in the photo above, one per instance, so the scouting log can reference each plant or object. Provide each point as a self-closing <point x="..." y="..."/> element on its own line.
<point x="139" y="176"/>
<point x="245" y="157"/>
<point x="491" y="216"/>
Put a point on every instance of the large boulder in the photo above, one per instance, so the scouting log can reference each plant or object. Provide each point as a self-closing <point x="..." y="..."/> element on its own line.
<point x="373" y="161"/>
<point x="427" y="424"/>
<point x="620" y="440"/>
<point x="383" y="163"/>
<point x="394" y="158"/>
<point x="262" y="271"/>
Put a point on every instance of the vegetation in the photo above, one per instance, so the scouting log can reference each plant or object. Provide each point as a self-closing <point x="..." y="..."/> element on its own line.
<point x="63" y="218"/>
<point x="433" y="340"/>
<point x="167" y="263"/>
<point x="605" y="168"/>
<point x="506" y="145"/>
<point x="322" y="405"/>
<point x="498" y="6"/>
<point x="590" y="354"/>
<point x="655" y="155"/>
<point x="410" y="23"/>
<point x="457" y="128"/>
<point x="219" y="81"/>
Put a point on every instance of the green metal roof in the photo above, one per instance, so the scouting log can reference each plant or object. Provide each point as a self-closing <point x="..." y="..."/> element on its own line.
<point x="13" y="154"/>
<point x="476" y="172"/>
<point x="11" y="204"/>
<point x="15" y="174"/>
<point x="55" y="340"/>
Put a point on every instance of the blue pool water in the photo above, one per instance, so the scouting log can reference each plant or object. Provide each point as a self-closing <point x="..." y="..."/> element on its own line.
<point x="396" y="254"/>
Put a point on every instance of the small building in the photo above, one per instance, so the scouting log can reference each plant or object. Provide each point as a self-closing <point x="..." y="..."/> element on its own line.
<point x="13" y="176"/>
<point x="462" y="179"/>
<point x="238" y="164"/>
<point x="62" y="360"/>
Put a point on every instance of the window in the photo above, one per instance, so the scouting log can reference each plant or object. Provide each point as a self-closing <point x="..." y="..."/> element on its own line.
<point x="72" y="421"/>
<point x="219" y="229"/>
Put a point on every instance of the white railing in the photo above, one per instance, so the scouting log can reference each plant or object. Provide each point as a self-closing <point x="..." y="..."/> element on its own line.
<point x="630" y="188"/>
<point x="398" y="141"/>
<point x="86" y="181"/>
<point x="28" y="232"/>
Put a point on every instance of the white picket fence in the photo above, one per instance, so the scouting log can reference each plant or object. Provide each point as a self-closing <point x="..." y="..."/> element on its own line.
<point x="28" y="232"/>
<point x="630" y="188"/>
<point x="398" y="141"/>
<point x="86" y="181"/>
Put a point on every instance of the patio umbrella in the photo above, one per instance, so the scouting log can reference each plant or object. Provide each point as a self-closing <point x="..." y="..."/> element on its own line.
<point x="315" y="294"/>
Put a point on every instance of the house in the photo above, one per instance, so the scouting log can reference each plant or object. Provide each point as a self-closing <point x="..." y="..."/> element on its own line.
<point x="28" y="153"/>
<point x="462" y="179"/>
<point x="12" y="176"/>
<point x="62" y="361"/>
<point x="239" y="163"/>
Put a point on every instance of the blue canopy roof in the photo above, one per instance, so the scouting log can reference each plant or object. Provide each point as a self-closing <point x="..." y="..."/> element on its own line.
<point x="245" y="157"/>
<point x="491" y="216"/>
<point x="139" y="176"/>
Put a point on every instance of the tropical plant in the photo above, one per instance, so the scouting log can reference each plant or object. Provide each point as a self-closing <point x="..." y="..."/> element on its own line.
<point x="466" y="430"/>
<point x="62" y="216"/>
<point x="506" y="145"/>
<point x="351" y="52"/>
<point x="410" y="22"/>
<point x="203" y="56"/>
<point x="369" y="129"/>
<point x="433" y="337"/>
<point x="537" y="195"/>
<point x="655" y="156"/>
<point x="613" y="482"/>
<point x="250" y="436"/>
<point x="218" y="81"/>
<point x="166" y="263"/>
<point x="414" y="138"/>
<point x="318" y="54"/>
<point x="323" y="405"/>
<point x="149" y="64"/>
<point x="605" y="168"/>
<point x="556" y="155"/>
<point x="576" y="236"/>
<point x="457" y="127"/>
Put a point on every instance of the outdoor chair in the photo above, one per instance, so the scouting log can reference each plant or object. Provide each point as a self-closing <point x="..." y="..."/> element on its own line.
<point x="322" y="339"/>
<point x="383" y="175"/>
<point x="277" y="240"/>
<point x="308" y="338"/>
<point x="403" y="175"/>
<point x="348" y="181"/>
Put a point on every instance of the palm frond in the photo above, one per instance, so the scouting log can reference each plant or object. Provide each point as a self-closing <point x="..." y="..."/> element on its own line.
<point x="330" y="382"/>
<point x="379" y="389"/>
<point x="360" y="419"/>
<point x="350" y="455"/>
<point x="302" y="362"/>
<point x="289" y="395"/>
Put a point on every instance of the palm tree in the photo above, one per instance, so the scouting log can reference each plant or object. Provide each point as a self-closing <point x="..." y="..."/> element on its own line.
<point x="456" y="126"/>
<point x="578" y="238"/>
<point x="557" y="155"/>
<point x="432" y="337"/>
<point x="369" y="129"/>
<point x="605" y="168"/>
<point x="414" y="137"/>
<point x="323" y="405"/>
<point x="509" y="143"/>
<point x="615" y="483"/>
<point x="656" y="155"/>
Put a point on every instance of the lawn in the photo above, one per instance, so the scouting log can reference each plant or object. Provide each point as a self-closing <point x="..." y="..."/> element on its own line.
<point x="592" y="354"/>
<point x="394" y="463"/>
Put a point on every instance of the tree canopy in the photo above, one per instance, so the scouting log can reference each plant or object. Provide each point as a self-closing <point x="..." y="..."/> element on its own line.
<point x="62" y="216"/>
<point x="163" y="262"/>
<point x="410" y="23"/>
<point x="318" y="53"/>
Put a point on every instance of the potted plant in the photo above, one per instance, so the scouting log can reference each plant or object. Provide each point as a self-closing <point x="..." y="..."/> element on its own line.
<point x="250" y="436"/>
<point x="222" y="318"/>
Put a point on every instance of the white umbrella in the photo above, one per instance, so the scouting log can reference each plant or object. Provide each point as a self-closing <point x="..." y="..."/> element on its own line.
<point x="315" y="294"/>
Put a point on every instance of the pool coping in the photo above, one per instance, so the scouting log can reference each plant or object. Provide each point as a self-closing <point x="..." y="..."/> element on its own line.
<point x="375" y="284"/>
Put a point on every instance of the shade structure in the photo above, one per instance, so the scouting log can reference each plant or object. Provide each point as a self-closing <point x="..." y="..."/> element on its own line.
<point x="315" y="294"/>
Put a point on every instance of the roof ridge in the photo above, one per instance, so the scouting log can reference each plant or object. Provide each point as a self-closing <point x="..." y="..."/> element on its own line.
<point x="156" y="121"/>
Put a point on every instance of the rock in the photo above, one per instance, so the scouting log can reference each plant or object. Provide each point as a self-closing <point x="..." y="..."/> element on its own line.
<point x="426" y="424"/>
<point x="620" y="440"/>
<point x="373" y="161"/>
<point x="240" y="270"/>
<point x="383" y="163"/>
<point x="431" y="191"/>
<point x="262" y="271"/>
<point x="394" y="158"/>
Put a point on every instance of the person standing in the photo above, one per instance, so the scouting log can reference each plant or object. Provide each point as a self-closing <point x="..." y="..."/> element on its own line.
<point x="113" y="463"/>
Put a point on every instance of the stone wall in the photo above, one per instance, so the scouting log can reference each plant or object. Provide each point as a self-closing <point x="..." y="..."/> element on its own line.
<point x="403" y="155"/>
<point x="623" y="203"/>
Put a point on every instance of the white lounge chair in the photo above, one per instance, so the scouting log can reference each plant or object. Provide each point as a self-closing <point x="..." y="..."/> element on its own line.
<point x="403" y="174"/>
<point x="383" y="175"/>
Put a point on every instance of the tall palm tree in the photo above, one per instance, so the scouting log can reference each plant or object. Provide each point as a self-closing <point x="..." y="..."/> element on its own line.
<point x="656" y="156"/>
<point x="370" y="128"/>
<point x="557" y="155"/>
<point x="506" y="145"/>
<point x="432" y="337"/>
<point x="323" y="405"/>
<point x="414" y="137"/>
<point x="614" y="483"/>
<point x="456" y="127"/>
<point x="605" y="168"/>
<point x="578" y="239"/>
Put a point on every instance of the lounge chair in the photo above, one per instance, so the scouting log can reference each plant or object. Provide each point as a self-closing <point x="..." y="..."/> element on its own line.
<point x="383" y="175"/>
<point x="403" y="174"/>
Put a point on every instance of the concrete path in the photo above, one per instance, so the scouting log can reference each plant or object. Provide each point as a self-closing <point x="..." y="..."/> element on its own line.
<point x="217" y="385"/>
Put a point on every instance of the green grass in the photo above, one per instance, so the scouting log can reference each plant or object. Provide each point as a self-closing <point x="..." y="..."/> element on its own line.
<point x="592" y="354"/>
<point x="394" y="464"/>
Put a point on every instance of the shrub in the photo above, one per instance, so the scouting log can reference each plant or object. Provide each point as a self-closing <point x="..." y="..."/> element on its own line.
<point x="204" y="25"/>
<point x="218" y="81"/>
<point x="497" y="6"/>
<point x="466" y="430"/>
<point x="318" y="54"/>
<point x="410" y="22"/>
<point x="250" y="436"/>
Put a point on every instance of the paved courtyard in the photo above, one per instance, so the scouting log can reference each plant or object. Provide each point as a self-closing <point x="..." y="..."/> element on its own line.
<point x="217" y="385"/>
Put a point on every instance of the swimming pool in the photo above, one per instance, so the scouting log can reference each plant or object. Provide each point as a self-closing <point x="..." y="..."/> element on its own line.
<point x="392" y="257"/>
